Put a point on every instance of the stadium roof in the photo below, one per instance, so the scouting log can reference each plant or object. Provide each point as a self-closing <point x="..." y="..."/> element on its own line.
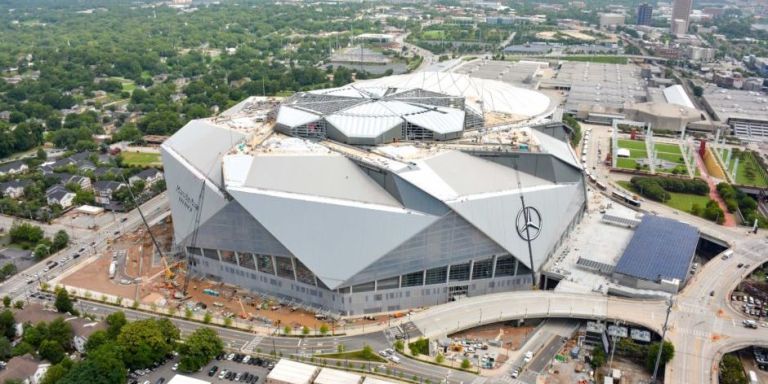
<point x="661" y="248"/>
<point x="676" y="95"/>
<point x="479" y="94"/>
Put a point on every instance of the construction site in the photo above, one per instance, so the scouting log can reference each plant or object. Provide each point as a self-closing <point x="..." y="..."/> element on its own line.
<point x="132" y="269"/>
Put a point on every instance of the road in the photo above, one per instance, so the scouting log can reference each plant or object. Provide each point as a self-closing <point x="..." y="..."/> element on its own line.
<point x="91" y="243"/>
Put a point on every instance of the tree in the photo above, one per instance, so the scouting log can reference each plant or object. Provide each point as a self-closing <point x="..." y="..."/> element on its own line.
<point x="598" y="357"/>
<point x="60" y="240"/>
<point x="199" y="349"/>
<point x="324" y="329"/>
<point x="143" y="343"/>
<point x="466" y="364"/>
<point x="732" y="370"/>
<point x="60" y="331"/>
<point x="305" y="331"/>
<point x="399" y="345"/>
<point x="41" y="251"/>
<point x="7" y="301"/>
<point x="41" y="154"/>
<point x="22" y="349"/>
<point x="103" y="366"/>
<point x="57" y="372"/>
<point x="667" y="353"/>
<point x="207" y="317"/>
<point x="115" y="322"/>
<point x="96" y="340"/>
<point x="63" y="303"/>
<point x="7" y="324"/>
<point x="439" y="358"/>
<point x="51" y="351"/>
<point x="286" y="330"/>
<point x="6" y="348"/>
<point x="367" y="352"/>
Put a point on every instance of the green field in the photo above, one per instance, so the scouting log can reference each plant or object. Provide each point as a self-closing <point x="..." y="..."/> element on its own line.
<point x="141" y="159"/>
<point x="749" y="161"/>
<point x="604" y="59"/>
<point x="355" y="355"/>
<point x="632" y="144"/>
<point x="128" y="85"/>
<point x="637" y="151"/>
<point x="681" y="201"/>
<point x="433" y="35"/>
<point x="668" y="148"/>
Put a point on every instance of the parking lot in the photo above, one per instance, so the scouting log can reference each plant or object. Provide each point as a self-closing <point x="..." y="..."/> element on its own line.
<point x="253" y="371"/>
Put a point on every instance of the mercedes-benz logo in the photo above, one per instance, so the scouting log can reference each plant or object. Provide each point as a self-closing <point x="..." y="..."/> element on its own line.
<point x="528" y="223"/>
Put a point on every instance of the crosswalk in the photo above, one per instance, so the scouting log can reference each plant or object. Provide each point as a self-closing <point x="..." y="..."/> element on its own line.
<point x="497" y="380"/>
<point x="695" y="332"/>
<point x="250" y="346"/>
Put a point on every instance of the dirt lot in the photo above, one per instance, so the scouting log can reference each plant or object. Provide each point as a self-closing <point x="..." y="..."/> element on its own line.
<point x="139" y="262"/>
<point x="511" y="335"/>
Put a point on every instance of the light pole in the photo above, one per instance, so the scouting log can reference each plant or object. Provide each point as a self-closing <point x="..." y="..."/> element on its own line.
<point x="661" y="344"/>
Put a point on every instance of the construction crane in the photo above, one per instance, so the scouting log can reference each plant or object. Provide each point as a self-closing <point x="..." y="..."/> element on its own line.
<point x="243" y="313"/>
<point x="193" y="236"/>
<point x="169" y="275"/>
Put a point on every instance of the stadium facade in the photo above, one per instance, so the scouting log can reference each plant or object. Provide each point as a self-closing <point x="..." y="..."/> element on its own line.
<point x="328" y="200"/>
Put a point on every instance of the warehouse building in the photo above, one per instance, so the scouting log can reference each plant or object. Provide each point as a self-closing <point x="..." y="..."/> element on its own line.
<point x="746" y="112"/>
<point x="354" y="229"/>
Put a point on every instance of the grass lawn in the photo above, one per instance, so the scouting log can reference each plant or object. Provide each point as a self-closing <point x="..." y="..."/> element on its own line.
<point x="741" y="173"/>
<point x="433" y="34"/>
<point x="632" y="144"/>
<point x="681" y="201"/>
<point x="675" y="158"/>
<point x="605" y="59"/>
<point x="638" y="153"/>
<point x="354" y="355"/>
<point x="625" y="163"/>
<point x="141" y="158"/>
<point x="668" y="148"/>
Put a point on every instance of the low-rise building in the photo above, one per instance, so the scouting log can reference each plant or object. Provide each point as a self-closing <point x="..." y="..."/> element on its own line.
<point x="149" y="176"/>
<point x="611" y="20"/>
<point x="26" y="369"/>
<point x="14" y="189"/>
<point x="12" y="168"/>
<point x="60" y="195"/>
<point x="104" y="191"/>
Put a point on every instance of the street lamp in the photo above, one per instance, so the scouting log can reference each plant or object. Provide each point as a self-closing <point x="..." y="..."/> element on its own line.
<point x="661" y="344"/>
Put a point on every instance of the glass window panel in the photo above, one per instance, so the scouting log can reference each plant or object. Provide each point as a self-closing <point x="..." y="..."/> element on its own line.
<point x="264" y="264"/>
<point x="413" y="279"/>
<point x="437" y="275"/>
<point x="228" y="257"/>
<point x="245" y="260"/>
<point x="284" y="267"/>
<point x="505" y="265"/>
<point x="303" y="274"/>
<point x="459" y="272"/>
<point x="211" y="254"/>
<point x="482" y="269"/>
<point x="365" y="287"/>
<point x="393" y="282"/>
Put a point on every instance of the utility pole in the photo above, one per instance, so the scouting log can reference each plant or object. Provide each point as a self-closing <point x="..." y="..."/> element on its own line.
<point x="661" y="344"/>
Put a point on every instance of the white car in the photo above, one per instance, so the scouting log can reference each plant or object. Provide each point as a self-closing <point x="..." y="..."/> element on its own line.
<point x="222" y="374"/>
<point x="394" y="359"/>
<point x="246" y="359"/>
<point x="175" y="367"/>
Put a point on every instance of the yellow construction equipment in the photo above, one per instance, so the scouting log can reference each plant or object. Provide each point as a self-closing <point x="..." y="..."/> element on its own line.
<point x="243" y="314"/>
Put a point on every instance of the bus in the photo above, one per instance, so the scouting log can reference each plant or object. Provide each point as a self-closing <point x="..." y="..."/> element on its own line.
<point x="622" y="198"/>
<point x="753" y="378"/>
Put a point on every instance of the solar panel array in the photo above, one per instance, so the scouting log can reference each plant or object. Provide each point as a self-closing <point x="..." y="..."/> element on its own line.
<point x="661" y="248"/>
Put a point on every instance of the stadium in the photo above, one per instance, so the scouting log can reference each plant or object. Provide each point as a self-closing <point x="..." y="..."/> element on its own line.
<point x="378" y="196"/>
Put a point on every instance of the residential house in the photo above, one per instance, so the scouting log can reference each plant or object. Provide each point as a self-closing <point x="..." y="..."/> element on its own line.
<point x="109" y="172"/>
<point x="60" y="195"/>
<point x="26" y="369"/>
<point x="149" y="176"/>
<point x="13" y="168"/>
<point x="85" y="165"/>
<point x="67" y="178"/>
<point x="104" y="191"/>
<point x="82" y="328"/>
<point x="14" y="188"/>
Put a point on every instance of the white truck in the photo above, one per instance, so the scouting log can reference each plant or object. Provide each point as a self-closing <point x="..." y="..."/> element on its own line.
<point x="112" y="269"/>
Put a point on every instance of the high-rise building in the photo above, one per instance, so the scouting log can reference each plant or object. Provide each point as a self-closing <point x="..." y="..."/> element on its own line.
<point x="681" y="10"/>
<point x="644" y="14"/>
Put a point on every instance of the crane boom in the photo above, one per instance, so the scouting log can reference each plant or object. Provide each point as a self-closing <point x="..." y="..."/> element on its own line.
<point x="193" y="236"/>
<point x="168" y="272"/>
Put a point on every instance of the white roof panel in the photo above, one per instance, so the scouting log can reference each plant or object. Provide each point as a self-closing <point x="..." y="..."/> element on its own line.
<point x="676" y="95"/>
<point x="293" y="117"/>
<point x="335" y="239"/>
<point x="556" y="147"/>
<point x="440" y="120"/>
<point x="364" y="126"/>
<point x="287" y="371"/>
<point x="334" y="376"/>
